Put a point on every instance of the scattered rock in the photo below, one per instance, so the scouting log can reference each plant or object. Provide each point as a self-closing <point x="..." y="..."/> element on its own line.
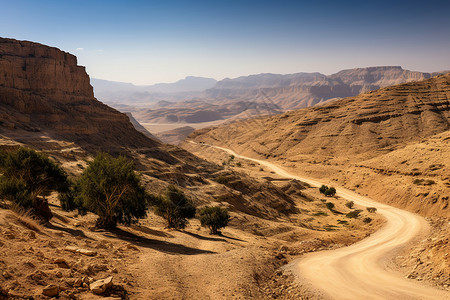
<point x="86" y="252"/>
<point x="62" y="263"/>
<point x="50" y="290"/>
<point x="74" y="249"/>
<point x="71" y="249"/>
<point x="99" y="287"/>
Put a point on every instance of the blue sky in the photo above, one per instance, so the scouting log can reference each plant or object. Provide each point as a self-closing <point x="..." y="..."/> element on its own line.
<point x="147" y="42"/>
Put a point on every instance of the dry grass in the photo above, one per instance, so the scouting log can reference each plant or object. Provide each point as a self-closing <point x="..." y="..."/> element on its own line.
<point x="25" y="218"/>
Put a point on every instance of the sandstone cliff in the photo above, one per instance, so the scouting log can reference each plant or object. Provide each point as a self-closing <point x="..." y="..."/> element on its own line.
<point x="42" y="89"/>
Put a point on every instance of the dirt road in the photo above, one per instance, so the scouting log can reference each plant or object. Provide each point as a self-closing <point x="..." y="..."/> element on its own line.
<point x="361" y="270"/>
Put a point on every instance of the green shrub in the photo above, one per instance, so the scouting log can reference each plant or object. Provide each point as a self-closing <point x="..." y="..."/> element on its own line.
<point x="350" y="204"/>
<point x="175" y="208"/>
<point x="330" y="192"/>
<point x="28" y="177"/>
<point x="367" y="220"/>
<point x="238" y="164"/>
<point x="111" y="189"/>
<point x="214" y="217"/>
<point x="330" y="205"/>
<point x="327" y="191"/>
<point x="323" y="188"/>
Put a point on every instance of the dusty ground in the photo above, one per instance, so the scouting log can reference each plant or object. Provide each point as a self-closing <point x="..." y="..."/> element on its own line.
<point x="149" y="261"/>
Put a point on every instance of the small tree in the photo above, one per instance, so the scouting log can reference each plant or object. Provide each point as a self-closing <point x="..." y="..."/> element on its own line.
<point x="28" y="177"/>
<point x="214" y="217"/>
<point x="330" y="192"/>
<point x="111" y="189"/>
<point x="175" y="208"/>
<point x="323" y="188"/>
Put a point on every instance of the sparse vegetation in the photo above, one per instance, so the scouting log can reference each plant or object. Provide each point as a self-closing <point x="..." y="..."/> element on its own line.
<point x="371" y="209"/>
<point x="350" y="204"/>
<point x="367" y="220"/>
<point x="111" y="189"/>
<point x="319" y="213"/>
<point x="327" y="191"/>
<point x="354" y="214"/>
<point x="28" y="177"/>
<point x="238" y="164"/>
<point x="214" y="217"/>
<point x="175" y="208"/>
<point x="330" y="205"/>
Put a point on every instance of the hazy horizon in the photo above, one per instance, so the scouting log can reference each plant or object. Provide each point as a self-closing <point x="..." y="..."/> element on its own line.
<point x="148" y="42"/>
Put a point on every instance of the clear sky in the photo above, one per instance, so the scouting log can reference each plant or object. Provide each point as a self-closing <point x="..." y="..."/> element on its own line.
<point x="147" y="42"/>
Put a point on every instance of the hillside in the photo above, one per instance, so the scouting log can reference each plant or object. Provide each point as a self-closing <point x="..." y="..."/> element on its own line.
<point x="46" y="103"/>
<point x="328" y="139"/>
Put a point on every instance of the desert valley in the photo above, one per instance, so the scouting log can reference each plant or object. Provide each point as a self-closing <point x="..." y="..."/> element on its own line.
<point x="261" y="186"/>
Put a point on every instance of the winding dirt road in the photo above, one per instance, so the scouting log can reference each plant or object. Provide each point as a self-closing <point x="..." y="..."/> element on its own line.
<point x="360" y="270"/>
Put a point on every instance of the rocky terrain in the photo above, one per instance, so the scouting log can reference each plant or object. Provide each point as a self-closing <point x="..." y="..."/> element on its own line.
<point x="46" y="103"/>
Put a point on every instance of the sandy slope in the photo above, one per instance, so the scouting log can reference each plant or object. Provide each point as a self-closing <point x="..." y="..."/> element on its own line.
<point x="360" y="271"/>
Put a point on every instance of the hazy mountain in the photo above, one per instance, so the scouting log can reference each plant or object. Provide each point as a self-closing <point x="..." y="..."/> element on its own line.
<point x="127" y="93"/>
<point x="299" y="90"/>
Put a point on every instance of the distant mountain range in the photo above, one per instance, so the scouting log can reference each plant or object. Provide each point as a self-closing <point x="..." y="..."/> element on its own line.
<point x="128" y="93"/>
<point x="299" y="90"/>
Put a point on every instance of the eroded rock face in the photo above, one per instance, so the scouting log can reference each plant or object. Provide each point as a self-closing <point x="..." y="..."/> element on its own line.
<point x="43" y="89"/>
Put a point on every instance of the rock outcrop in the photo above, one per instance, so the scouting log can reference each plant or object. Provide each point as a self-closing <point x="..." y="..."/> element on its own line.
<point x="42" y="89"/>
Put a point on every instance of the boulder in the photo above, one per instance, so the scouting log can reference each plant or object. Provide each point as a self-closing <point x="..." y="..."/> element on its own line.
<point x="50" y="290"/>
<point x="99" y="287"/>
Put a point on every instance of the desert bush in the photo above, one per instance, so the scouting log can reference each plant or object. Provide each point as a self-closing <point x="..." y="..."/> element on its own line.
<point x="175" y="208"/>
<point x="330" y="205"/>
<point x="111" y="189"/>
<point x="350" y="204"/>
<point x="330" y="192"/>
<point x="354" y="214"/>
<point x="367" y="220"/>
<point x="214" y="217"/>
<point x="323" y="188"/>
<point x="238" y="164"/>
<point x="28" y="177"/>
<point x="327" y="191"/>
<point x="371" y="209"/>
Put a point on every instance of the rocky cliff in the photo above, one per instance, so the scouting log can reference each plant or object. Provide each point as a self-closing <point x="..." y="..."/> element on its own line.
<point x="42" y="89"/>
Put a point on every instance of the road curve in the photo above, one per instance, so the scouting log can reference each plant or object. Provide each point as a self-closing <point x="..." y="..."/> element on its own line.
<point x="360" y="270"/>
